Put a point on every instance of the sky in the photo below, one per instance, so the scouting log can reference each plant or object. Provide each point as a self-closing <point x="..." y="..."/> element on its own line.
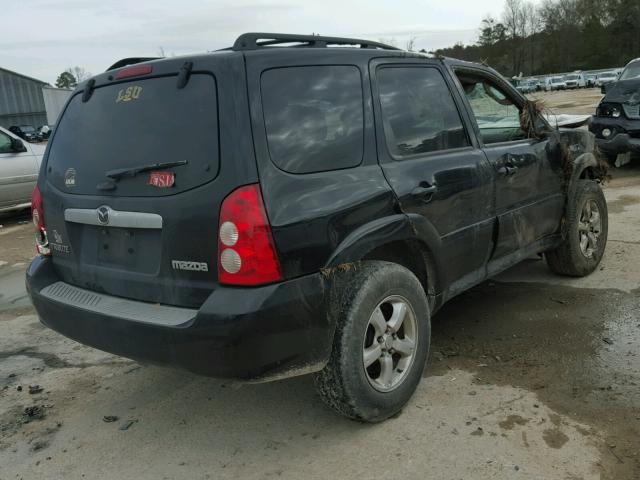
<point x="41" y="38"/>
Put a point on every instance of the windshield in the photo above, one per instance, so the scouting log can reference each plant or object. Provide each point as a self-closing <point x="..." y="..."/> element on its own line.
<point x="632" y="71"/>
<point x="557" y="80"/>
<point x="138" y="123"/>
<point x="27" y="128"/>
<point x="607" y="75"/>
<point x="572" y="77"/>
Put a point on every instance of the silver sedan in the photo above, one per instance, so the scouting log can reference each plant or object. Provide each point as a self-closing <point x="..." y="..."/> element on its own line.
<point x="19" y="166"/>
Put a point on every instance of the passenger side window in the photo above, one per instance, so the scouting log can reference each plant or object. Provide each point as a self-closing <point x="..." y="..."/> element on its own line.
<point x="418" y="112"/>
<point x="314" y="117"/>
<point x="5" y="143"/>
<point x="498" y="117"/>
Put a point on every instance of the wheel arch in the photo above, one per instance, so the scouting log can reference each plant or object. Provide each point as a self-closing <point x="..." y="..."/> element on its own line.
<point x="409" y="240"/>
<point x="584" y="167"/>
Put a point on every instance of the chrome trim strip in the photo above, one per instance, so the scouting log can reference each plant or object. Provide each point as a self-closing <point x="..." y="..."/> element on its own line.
<point x="118" y="307"/>
<point x="117" y="218"/>
<point x="18" y="179"/>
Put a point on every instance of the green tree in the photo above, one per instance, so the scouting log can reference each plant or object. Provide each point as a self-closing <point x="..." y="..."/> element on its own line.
<point x="66" y="80"/>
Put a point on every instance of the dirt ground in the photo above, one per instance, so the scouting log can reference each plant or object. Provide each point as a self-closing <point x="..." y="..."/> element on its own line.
<point x="578" y="102"/>
<point x="531" y="376"/>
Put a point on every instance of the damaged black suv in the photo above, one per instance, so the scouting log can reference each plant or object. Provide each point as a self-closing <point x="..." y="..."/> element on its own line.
<point x="616" y="123"/>
<point x="299" y="204"/>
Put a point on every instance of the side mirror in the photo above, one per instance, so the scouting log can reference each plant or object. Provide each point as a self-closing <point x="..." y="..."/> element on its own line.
<point x="17" y="145"/>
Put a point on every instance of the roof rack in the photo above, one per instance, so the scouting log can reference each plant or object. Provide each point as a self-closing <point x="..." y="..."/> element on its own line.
<point x="130" y="61"/>
<point x="256" y="40"/>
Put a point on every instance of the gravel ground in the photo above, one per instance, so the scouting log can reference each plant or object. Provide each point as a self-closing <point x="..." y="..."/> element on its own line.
<point x="531" y="376"/>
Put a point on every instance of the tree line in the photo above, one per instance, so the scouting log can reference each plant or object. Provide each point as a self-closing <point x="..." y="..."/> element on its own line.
<point x="557" y="36"/>
<point x="71" y="77"/>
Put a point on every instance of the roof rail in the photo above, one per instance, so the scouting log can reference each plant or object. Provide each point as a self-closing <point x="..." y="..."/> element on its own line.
<point x="131" y="61"/>
<point x="256" y="40"/>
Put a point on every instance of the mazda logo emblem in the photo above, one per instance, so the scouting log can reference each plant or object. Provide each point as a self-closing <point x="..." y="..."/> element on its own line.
<point x="103" y="215"/>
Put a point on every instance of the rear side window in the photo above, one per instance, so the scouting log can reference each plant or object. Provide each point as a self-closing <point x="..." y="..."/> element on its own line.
<point x="418" y="112"/>
<point x="313" y="117"/>
<point x="137" y="123"/>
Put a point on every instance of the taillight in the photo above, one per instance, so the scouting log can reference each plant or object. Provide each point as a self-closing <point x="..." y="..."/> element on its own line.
<point x="134" y="71"/>
<point x="246" y="251"/>
<point x="37" y="214"/>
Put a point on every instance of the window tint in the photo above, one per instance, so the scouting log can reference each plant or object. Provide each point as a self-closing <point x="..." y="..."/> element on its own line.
<point x="144" y="121"/>
<point x="5" y="143"/>
<point x="497" y="116"/>
<point x="632" y="71"/>
<point x="313" y="117"/>
<point x="418" y="111"/>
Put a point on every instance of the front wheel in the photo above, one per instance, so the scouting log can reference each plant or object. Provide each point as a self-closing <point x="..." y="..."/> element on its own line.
<point x="586" y="233"/>
<point x="380" y="345"/>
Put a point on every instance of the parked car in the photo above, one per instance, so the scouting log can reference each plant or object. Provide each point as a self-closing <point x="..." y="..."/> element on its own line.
<point x="590" y="80"/>
<point x="19" y="166"/>
<point x="574" y="80"/>
<point x="557" y="83"/>
<point x="526" y="86"/>
<point x="337" y="198"/>
<point x="26" y="132"/>
<point x="45" y="131"/>
<point x="616" y="123"/>
<point x="605" y="78"/>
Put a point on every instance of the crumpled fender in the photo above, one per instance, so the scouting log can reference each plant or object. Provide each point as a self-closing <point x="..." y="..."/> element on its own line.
<point x="386" y="230"/>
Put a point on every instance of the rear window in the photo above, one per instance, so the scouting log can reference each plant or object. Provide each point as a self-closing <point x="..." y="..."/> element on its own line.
<point x="314" y="117"/>
<point x="137" y="123"/>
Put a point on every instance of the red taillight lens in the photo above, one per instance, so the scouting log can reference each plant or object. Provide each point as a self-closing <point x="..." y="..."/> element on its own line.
<point x="37" y="214"/>
<point x="134" y="72"/>
<point x="246" y="251"/>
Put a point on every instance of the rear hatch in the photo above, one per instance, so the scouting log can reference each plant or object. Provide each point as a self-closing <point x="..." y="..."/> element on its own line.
<point x="149" y="234"/>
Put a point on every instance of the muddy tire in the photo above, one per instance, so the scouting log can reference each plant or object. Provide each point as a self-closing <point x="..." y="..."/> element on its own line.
<point x="380" y="345"/>
<point x="586" y="233"/>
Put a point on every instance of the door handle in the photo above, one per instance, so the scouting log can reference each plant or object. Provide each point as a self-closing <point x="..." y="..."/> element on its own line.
<point x="507" y="171"/>
<point x="424" y="189"/>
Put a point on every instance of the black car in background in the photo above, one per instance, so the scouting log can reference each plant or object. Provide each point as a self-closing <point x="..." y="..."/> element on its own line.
<point x="26" y="132"/>
<point x="616" y="123"/>
<point x="305" y="209"/>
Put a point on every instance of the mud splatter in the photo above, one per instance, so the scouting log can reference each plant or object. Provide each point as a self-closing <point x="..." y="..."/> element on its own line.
<point x="511" y="421"/>
<point x="554" y="438"/>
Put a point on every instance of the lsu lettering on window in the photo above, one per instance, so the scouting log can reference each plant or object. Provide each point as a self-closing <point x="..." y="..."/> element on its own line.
<point x="128" y="94"/>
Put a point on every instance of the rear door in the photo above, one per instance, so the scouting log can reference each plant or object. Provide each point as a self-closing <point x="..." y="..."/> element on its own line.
<point x="528" y="176"/>
<point x="18" y="174"/>
<point x="433" y="164"/>
<point x="148" y="236"/>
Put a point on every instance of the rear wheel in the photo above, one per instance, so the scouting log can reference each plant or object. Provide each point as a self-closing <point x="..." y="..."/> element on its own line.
<point x="380" y="345"/>
<point x="586" y="237"/>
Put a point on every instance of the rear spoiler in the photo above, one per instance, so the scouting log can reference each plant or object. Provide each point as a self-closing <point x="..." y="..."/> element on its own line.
<point x="131" y="61"/>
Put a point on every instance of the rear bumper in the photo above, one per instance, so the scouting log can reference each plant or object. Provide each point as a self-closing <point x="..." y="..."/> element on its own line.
<point x="256" y="334"/>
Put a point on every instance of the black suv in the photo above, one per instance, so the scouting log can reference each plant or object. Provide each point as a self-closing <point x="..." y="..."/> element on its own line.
<point x="616" y="124"/>
<point x="299" y="204"/>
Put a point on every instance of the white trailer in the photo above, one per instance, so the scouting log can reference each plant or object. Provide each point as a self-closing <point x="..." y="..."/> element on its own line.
<point x="54" y="100"/>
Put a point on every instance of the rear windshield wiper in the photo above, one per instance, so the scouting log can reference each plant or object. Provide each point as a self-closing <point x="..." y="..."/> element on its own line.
<point x="118" y="173"/>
